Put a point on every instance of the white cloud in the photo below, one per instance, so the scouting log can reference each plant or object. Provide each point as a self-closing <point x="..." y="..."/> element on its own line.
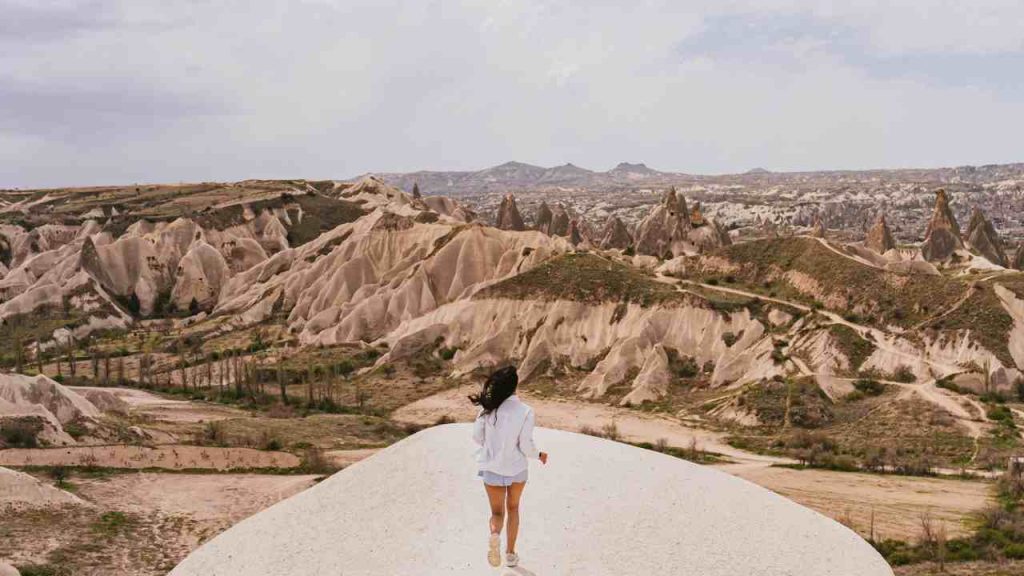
<point x="139" y="91"/>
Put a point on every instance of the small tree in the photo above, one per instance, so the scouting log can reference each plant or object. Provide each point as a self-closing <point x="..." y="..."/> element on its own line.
<point x="134" y="305"/>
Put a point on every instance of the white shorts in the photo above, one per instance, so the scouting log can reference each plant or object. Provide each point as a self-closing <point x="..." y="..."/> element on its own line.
<point x="492" y="479"/>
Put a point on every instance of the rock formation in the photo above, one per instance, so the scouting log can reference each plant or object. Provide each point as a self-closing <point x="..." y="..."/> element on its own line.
<point x="543" y="219"/>
<point x="45" y="406"/>
<point x="663" y="232"/>
<point x="709" y="236"/>
<point x="579" y="233"/>
<point x="696" y="216"/>
<point x="615" y="235"/>
<point x="555" y="221"/>
<point x="21" y="492"/>
<point x="880" y="237"/>
<point x="1018" y="258"/>
<point x="560" y="221"/>
<point x="508" y="215"/>
<point x="984" y="239"/>
<point x="942" y="237"/>
<point x="818" y="227"/>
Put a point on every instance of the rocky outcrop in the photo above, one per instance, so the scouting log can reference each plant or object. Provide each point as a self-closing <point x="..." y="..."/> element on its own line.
<point x="1018" y="258"/>
<point x="201" y="274"/>
<point x="709" y="236"/>
<point x="508" y="215"/>
<point x="21" y="492"/>
<point x="446" y="206"/>
<point x="362" y="279"/>
<point x="697" y="216"/>
<point x="818" y="227"/>
<point x="663" y="232"/>
<point x="554" y="221"/>
<point x="942" y="237"/>
<point x="984" y="239"/>
<point x="43" y="406"/>
<point x="615" y="235"/>
<point x="879" y="237"/>
<point x="544" y="217"/>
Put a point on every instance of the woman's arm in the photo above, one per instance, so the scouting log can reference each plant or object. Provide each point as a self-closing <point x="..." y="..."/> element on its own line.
<point x="478" y="429"/>
<point x="526" y="445"/>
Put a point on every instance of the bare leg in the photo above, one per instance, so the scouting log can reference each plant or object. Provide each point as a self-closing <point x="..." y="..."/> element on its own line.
<point x="496" y="497"/>
<point x="515" y="492"/>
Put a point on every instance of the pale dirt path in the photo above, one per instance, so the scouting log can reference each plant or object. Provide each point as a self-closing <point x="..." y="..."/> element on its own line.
<point x="217" y="499"/>
<point x="167" y="409"/>
<point x="633" y="426"/>
<point x="898" y="502"/>
<point x="853" y="257"/>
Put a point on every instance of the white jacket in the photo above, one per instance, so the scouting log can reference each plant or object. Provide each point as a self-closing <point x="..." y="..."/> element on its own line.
<point x="505" y="437"/>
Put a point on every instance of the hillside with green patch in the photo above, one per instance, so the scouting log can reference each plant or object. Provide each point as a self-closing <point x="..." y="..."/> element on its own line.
<point x="591" y="279"/>
<point x="849" y="287"/>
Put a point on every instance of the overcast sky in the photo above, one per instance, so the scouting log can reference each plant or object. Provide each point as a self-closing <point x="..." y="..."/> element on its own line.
<point x="102" y="92"/>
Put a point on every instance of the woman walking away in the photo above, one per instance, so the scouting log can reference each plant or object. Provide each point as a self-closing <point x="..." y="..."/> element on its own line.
<point x="504" y="431"/>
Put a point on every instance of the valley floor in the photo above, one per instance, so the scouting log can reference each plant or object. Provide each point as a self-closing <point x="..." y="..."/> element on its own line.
<point x="141" y="523"/>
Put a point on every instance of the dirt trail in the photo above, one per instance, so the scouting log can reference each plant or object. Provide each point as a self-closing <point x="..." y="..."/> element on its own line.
<point x="169" y="410"/>
<point x="632" y="425"/>
<point x="856" y="259"/>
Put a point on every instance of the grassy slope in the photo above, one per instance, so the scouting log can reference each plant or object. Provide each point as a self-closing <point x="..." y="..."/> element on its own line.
<point x="887" y="297"/>
<point x="583" y="277"/>
<point x="873" y="296"/>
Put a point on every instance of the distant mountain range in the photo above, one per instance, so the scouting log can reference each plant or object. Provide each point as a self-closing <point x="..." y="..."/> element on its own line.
<point x="518" y="175"/>
<point x="513" y="176"/>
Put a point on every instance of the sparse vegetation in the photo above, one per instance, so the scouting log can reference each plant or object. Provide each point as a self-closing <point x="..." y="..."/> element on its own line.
<point x="588" y="278"/>
<point x="851" y="344"/>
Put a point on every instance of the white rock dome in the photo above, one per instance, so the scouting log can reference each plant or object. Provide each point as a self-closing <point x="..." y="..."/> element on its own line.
<point x="599" y="508"/>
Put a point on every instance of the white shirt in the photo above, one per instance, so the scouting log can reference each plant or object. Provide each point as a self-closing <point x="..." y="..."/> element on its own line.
<point x="505" y="437"/>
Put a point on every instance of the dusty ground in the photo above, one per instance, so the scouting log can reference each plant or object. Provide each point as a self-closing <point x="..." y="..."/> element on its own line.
<point x="140" y="524"/>
<point x="898" y="501"/>
<point x="1010" y="568"/>
<point x="632" y="425"/>
<point x="158" y="408"/>
<point x="142" y="457"/>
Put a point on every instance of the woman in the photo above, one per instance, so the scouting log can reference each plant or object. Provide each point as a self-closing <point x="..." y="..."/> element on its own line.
<point x="504" y="431"/>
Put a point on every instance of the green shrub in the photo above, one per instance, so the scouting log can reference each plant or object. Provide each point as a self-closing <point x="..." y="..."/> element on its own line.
<point x="1000" y="413"/>
<point x="1014" y="551"/>
<point x="903" y="374"/>
<point x="76" y="430"/>
<point x="869" y="387"/>
<point x="20" y="433"/>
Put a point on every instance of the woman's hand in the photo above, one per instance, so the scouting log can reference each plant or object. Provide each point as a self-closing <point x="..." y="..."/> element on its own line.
<point x="544" y="458"/>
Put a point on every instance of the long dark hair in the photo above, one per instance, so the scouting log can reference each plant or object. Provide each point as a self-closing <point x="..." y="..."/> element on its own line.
<point x="498" y="387"/>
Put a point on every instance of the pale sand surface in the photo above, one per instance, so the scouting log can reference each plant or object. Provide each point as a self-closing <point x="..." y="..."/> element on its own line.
<point x="599" y="508"/>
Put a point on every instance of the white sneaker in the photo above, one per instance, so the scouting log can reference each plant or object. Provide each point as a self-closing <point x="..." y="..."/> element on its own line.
<point x="494" y="550"/>
<point x="511" y="559"/>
